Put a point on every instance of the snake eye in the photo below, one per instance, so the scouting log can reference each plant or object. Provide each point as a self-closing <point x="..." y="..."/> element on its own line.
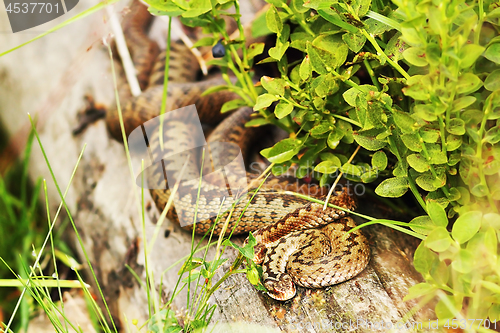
<point x="218" y="51"/>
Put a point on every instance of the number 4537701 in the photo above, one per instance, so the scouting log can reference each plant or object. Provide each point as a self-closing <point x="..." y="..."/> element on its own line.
<point x="470" y="323"/>
<point x="32" y="7"/>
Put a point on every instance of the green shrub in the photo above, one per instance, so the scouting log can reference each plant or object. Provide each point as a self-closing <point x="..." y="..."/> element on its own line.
<point x="414" y="83"/>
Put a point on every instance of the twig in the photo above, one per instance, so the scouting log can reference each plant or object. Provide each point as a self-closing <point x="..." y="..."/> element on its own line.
<point x="121" y="45"/>
<point x="185" y="39"/>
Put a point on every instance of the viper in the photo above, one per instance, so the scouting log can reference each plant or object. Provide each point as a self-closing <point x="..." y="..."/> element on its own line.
<point x="298" y="242"/>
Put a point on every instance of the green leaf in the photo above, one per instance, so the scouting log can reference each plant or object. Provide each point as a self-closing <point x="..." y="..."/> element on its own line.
<point x="368" y="142"/>
<point x="433" y="53"/>
<point x="429" y="135"/>
<point x="279" y="50"/>
<point x="387" y="22"/>
<point x="328" y="14"/>
<point x="361" y="7"/>
<point x="327" y="166"/>
<point x="305" y="69"/>
<point x="456" y="126"/>
<point x="395" y="47"/>
<point x="438" y="240"/>
<point x="253" y="275"/>
<point x="466" y="226"/>
<point x="273" y="20"/>
<point x="346" y="128"/>
<point x="404" y="121"/>
<point x="469" y="53"/>
<point x="214" y="89"/>
<point x="422" y="224"/>
<point x="418" y="162"/>
<point x="376" y="27"/>
<point x="411" y="36"/>
<point x="440" y="272"/>
<point x="418" y="87"/>
<point x="315" y="56"/>
<point x="479" y="190"/>
<point x="426" y="111"/>
<point x="280" y="168"/>
<point x="442" y="310"/>
<point x="284" y="150"/>
<point x="437" y="214"/>
<point x="415" y="56"/>
<point x="494" y="312"/>
<point x="332" y="49"/>
<point x="429" y="183"/>
<point x="167" y="8"/>
<point x="205" y="41"/>
<point x="334" y="137"/>
<point x="277" y="3"/>
<point x="324" y="85"/>
<point x="493" y="53"/>
<point x="214" y="264"/>
<point x="454" y="194"/>
<point x="400" y="170"/>
<point x="393" y="187"/>
<point x="298" y="6"/>
<point x="259" y="26"/>
<point x="273" y="86"/>
<point x="222" y="63"/>
<point x="283" y="109"/>
<point x="190" y="265"/>
<point x="423" y="259"/>
<point x="494" y="14"/>
<point x="351" y="94"/>
<point x="197" y="8"/>
<point x="419" y="290"/>
<point x="369" y="176"/>
<point x="493" y="287"/>
<point x="491" y="220"/>
<point x="412" y="142"/>
<point x="464" y="261"/>
<point x="331" y="157"/>
<point x="320" y="129"/>
<point x="300" y="39"/>
<point x="492" y="135"/>
<point x="379" y="160"/>
<point x="492" y="81"/>
<point x="247" y="250"/>
<point x="254" y="50"/>
<point x="468" y="83"/>
<point x="436" y="155"/>
<point x="463" y="102"/>
<point x="351" y="170"/>
<point x="192" y="277"/>
<point x="354" y="41"/>
<point x="263" y="101"/>
<point x="233" y="104"/>
<point x="453" y="142"/>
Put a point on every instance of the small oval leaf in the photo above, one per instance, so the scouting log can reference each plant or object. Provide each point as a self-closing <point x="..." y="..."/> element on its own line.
<point x="393" y="187"/>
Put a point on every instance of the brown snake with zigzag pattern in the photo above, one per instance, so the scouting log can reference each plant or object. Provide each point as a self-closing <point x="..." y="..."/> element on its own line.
<point x="298" y="241"/>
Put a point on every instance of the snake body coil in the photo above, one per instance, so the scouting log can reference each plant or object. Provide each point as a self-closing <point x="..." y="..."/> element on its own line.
<point x="298" y="241"/>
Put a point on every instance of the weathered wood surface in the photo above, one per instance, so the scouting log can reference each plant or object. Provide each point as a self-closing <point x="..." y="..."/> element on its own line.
<point x="50" y="77"/>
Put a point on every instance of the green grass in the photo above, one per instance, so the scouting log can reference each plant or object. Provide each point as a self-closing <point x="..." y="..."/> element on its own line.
<point x="24" y="283"/>
<point x="18" y="230"/>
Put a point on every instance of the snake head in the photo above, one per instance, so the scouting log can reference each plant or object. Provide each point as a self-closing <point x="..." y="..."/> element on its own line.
<point x="282" y="289"/>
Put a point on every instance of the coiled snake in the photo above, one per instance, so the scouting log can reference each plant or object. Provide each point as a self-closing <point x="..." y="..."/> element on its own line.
<point x="297" y="241"/>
